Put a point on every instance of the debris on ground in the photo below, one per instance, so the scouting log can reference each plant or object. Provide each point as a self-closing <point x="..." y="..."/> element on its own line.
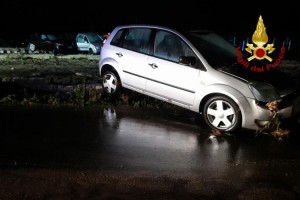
<point x="273" y="125"/>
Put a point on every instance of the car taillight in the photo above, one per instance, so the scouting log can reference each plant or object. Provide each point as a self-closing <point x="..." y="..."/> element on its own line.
<point x="107" y="36"/>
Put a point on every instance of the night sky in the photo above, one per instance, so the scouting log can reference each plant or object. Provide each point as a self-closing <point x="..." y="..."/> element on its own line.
<point x="20" y="17"/>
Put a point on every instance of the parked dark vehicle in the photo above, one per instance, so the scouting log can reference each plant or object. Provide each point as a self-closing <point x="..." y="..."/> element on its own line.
<point x="49" y="43"/>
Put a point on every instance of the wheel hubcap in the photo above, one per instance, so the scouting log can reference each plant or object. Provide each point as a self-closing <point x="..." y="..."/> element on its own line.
<point x="221" y="114"/>
<point x="31" y="47"/>
<point x="110" y="83"/>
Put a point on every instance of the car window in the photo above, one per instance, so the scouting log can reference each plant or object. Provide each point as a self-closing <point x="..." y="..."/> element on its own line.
<point x="43" y="37"/>
<point x="137" y="39"/>
<point x="80" y="39"/>
<point x="117" y="38"/>
<point x="94" y="38"/>
<point x="51" y="37"/>
<point x="170" y="47"/>
<point x="213" y="46"/>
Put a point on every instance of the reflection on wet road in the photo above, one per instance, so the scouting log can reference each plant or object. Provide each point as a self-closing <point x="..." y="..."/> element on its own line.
<point x="129" y="140"/>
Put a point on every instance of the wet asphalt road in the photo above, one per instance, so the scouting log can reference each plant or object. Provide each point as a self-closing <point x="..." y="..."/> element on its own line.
<point x="140" y="142"/>
<point x="129" y="139"/>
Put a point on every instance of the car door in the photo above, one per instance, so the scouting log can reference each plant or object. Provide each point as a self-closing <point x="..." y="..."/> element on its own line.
<point x="82" y="42"/>
<point x="168" y="79"/>
<point x="132" y="57"/>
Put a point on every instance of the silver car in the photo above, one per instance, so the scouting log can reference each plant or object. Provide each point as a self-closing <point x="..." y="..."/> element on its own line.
<point x="89" y="42"/>
<point x="196" y="70"/>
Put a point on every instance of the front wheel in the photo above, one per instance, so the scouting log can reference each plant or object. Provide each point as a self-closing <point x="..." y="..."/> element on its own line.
<point x="222" y="113"/>
<point x="111" y="82"/>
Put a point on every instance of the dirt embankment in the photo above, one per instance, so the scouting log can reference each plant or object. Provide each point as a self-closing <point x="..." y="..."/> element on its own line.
<point x="45" y="78"/>
<point x="61" y="68"/>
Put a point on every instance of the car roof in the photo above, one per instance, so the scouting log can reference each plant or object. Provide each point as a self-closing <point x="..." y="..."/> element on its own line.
<point x="168" y="28"/>
<point x="144" y="26"/>
<point x="87" y="33"/>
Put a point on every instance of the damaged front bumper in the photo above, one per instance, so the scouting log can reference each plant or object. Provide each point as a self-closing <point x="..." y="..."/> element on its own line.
<point x="261" y="115"/>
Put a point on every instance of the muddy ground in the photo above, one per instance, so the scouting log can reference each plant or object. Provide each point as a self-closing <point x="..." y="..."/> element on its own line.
<point x="48" y="69"/>
<point x="52" y="80"/>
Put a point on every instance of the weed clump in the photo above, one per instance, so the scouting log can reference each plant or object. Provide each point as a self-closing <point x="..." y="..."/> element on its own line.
<point x="273" y="125"/>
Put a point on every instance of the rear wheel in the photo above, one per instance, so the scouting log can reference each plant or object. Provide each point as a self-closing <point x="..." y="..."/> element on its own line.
<point x="55" y="51"/>
<point x="111" y="82"/>
<point x="31" y="48"/>
<point x="222" y="113"/>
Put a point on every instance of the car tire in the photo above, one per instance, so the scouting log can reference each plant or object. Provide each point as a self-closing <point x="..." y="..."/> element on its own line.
<point x="111" y="82"/>
<point x="222" y="113"/>
<point x="91" y="52"/>
<point x="55" y="52"/>
<point x="31" y="48"/>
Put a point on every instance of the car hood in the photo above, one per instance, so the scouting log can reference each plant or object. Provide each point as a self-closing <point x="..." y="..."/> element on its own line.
<point x="97" y="44"/>
<point x="281" y="81"/>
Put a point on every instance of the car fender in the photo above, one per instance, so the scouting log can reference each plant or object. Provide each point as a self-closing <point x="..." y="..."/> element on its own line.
<point x="112" y="63"/>
<point x="92" y="46"/>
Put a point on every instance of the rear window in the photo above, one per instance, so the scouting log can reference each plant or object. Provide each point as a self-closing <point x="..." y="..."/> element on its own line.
<point x="135" y="39"/>
<point x="117" y="38"/>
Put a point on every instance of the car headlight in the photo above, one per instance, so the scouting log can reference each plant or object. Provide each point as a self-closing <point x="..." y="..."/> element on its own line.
<point x="264" y="92"/>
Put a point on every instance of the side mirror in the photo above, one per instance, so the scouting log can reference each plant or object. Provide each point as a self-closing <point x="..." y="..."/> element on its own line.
<point x="187" y="60"/>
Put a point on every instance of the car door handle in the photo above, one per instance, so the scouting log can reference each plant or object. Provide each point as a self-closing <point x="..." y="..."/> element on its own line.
<point x="153" y="65"/>
<point x="119" y="54"/>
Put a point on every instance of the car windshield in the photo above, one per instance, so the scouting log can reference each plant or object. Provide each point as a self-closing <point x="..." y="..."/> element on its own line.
<point x="215" y="49"/>
<point x="51" y="37"/>
<point x="93" y="38"/>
